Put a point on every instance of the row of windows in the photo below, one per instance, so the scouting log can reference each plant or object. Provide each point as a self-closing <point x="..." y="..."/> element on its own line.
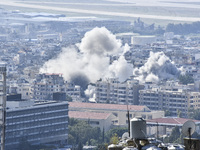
<point x="36" y="127"/>
<point x="16" y="138"/>
<point x="37" y="116"/>
<point x="37" y="110"/>
<point x="163" y="95"/>
<point x="160" y="100"/>
<point x="26" y="121"/>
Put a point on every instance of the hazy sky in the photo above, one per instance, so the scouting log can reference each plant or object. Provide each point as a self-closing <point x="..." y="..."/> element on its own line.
<point x="147" y="9"/>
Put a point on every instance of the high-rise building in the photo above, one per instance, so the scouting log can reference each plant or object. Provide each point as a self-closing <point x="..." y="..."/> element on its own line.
<point x="74" y="91"/>
<point x="46" y="84"/>
<point x="38" y="122"/>
<point x="3" y="104"/>
<point x="112" y="91"/>
<point x="173" y="101"/>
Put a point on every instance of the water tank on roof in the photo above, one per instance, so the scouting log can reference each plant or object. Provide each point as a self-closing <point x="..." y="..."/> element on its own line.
<point x="138" y="128"/>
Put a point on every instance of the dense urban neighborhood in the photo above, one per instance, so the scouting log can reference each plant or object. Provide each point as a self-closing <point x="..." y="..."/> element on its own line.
<point x="68" y="78"/>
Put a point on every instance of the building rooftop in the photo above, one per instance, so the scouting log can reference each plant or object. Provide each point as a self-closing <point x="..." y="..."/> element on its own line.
<point x="30" y="104"/>
<point x="169" y="121"/>
<point x="101" y="106"/>
<point x="88" y="115"/>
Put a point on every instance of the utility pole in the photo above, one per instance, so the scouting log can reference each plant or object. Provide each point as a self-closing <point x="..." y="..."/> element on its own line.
<point x="157" y="133"/>
<point x="128" y="121"/>
<point x="3" y="104"/>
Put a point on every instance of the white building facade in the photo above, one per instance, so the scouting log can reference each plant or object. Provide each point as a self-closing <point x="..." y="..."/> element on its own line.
<point x="172" y="101"/>
<point x="46" y="84"/>
<point x="112" y="91"/>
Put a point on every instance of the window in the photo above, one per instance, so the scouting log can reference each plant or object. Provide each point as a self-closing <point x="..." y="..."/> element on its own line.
<point x="144" y="116"/>
<point x="149" y="117"/>
<point x="130" y="115"/>
<point x="115" y="114"/>
<point x="94" y="122"/>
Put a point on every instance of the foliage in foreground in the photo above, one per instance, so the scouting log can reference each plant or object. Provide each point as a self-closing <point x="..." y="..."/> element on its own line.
<point x="80" y="132"/>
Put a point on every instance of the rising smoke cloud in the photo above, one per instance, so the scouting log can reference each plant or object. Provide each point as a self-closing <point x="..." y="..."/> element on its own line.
<point x="89" y="60"/>
<point x="158" y="66"/>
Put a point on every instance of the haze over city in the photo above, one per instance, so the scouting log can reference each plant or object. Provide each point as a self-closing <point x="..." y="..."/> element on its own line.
<point x="126" y="10"/>
<point x="99" y="74"/>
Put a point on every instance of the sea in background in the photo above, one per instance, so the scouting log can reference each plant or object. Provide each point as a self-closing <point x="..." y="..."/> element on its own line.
<point x="150" y="11"/>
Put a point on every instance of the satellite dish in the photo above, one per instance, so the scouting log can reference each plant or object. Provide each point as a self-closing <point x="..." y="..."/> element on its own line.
<point x="188" y="128"/>
<point x="125" y="135"/>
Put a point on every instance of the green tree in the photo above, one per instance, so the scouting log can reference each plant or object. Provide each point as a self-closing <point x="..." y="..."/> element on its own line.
<point x="103" y="146"/>
<point x="179" y="113"/>
<point x="114" y="139"/>
<point x="118" y="130"/>
<point x="80" y="146"/>
<point x="183" y="28"/>
<point x="175" y="135"/>
<point x="168" y="113"/>
<point x="82" y="132"/>
<point x="194" y="113"/>
<point x="186" y="79"/>
<point x="69" y="98"/>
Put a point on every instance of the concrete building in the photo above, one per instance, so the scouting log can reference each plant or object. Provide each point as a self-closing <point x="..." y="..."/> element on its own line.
<point x="101" y="120"/>
<point x="38" y="122"/>
<point x="118" y="111"/>
<point x="112" y="91"/>
<point x="142" y="40"/>
<point x="74" y="91"/>
<point x="172" y="100"/>
<point x="46" y="84"/>
<point x="164" y="126"/>
<point x="25" y="90"/>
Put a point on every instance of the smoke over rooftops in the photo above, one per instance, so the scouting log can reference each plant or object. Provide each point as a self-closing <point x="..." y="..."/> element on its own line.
<point x="158" y="66"/>
<point x="89" y="59"/>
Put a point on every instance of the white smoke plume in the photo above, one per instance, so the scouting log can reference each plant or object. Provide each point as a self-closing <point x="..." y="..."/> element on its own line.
<point x="120" y="68"/>
<point x="89" y="60"/>
<point x="90" y="93"/>
<point x="158" y="66"/>
<point x="99" y="41"/>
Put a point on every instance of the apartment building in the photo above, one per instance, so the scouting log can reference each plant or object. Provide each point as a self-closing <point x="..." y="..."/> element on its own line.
<point x="74" y="91"/>
<point x="25" y="90"/>
<point x="112" y="91"/>
<point x="38" y="122"/>
<point x="171" y="100"/>
<point x="46" y="84"/>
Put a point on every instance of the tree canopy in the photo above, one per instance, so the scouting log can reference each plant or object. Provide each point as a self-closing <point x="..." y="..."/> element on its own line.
<point x="194" y="114"/>
<point x="186" y="79"/>
<point x="183" y="28"/>
<point x="81" y="133"/>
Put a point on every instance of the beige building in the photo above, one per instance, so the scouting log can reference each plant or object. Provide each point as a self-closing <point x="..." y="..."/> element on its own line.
<point x="101" y="120"/>
<point x="173" y="101"/>
<point x="115" y="92"/>
<point x="119" y="112"/>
